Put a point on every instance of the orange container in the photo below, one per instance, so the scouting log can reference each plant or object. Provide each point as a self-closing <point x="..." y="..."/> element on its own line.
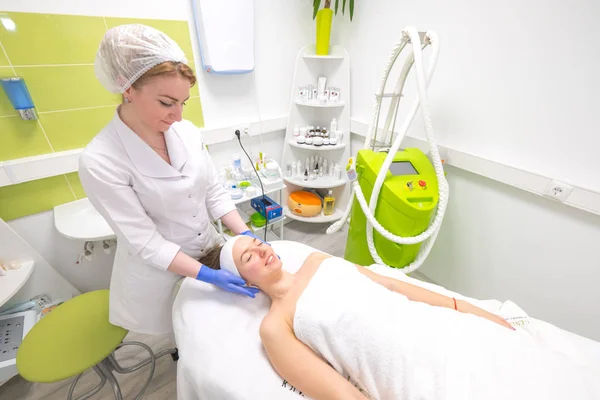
<point x="305" y="204"/>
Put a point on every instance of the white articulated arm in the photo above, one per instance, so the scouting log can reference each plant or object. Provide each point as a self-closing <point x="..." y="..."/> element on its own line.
<point x="371" y="133"/>
<point x="422" y="84"/>
<point x="423" y="80"/>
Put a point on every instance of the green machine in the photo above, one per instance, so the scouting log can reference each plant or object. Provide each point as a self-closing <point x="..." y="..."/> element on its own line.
<point x="405" y="205"/>
<point x="399" y="195"/>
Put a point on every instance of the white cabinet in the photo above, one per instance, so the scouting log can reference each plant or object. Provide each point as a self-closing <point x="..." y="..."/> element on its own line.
<point x="314" y="112"/>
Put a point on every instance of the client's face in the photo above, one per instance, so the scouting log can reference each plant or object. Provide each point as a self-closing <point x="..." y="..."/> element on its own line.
<point x="255" y="260"/>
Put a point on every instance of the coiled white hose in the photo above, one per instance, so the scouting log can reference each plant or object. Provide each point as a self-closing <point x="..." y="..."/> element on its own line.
<point x="430" y="234"/>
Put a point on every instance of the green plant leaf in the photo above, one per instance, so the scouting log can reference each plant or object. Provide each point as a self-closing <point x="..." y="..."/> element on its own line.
<point x="316" y="5"/>
<point x="336" y="6"/>
<point x="343" y="7"/>
<point x="351" y="5"/>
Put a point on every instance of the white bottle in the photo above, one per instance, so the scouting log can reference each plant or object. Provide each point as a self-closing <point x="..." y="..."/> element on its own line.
<point x="296" y="131"/>
<point x="333" y="127"/>
<point x="337" y="172"/>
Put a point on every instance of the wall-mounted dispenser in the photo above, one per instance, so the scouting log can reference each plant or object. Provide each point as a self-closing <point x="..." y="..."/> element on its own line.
<point x="19" y="96"/>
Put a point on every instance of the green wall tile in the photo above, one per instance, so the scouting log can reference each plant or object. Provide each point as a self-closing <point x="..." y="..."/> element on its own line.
<point x="3" y="59"/>
<point x="193" y="112"/>
<point x="19" y="138"/>
<point x="42" y="39"/>
<point x="66" y="87"/>
<point x="73" y="179"/>
<point x="176" y="30"/>
<point x="195" y="91"/>
<point x="68" y="130"/>
<point x="5" y="107"/>
<point x="34" y="197"/>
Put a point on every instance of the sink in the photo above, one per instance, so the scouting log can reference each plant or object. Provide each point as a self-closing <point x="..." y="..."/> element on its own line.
<point x="79" y="220"/>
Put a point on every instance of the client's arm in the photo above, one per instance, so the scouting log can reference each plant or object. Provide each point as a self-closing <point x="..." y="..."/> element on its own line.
<point x="300" y="366"/>
<point x="416" y="293"/>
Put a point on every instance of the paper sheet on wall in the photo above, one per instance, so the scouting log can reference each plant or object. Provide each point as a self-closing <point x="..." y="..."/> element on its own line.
<point x="225" y="32"/>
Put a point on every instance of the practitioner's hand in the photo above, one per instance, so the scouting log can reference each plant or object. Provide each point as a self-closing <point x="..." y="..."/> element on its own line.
<point x="226" y="281"/>
<point x="466" y="307"/>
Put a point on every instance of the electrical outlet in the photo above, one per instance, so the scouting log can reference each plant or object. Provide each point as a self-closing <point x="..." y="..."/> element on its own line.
<point x="558" y="190"/>
<point x="244" y="130"/>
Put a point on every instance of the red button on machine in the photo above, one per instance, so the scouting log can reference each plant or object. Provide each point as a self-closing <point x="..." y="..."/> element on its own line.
<point x="422" y="183"/>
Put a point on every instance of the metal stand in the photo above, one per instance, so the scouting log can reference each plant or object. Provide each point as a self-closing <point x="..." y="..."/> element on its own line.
<point x="106" y="367"/>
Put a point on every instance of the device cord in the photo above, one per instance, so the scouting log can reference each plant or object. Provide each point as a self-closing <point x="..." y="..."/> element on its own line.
<point x="237" y="133"/>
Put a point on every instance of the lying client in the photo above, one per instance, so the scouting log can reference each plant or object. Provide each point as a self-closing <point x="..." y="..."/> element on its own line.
<point x="336" y="330"/>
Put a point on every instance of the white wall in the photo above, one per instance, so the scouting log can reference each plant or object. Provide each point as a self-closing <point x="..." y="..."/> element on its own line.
<point x="516" y="81"/>
<point x="501" y="242"/>
<point x="62" y="253"/>
<point x="43" y="279"/>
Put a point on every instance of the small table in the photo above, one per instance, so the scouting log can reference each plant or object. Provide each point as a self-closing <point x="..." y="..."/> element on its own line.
<point x="275" y="186"/>
<point x="14" y="280"/>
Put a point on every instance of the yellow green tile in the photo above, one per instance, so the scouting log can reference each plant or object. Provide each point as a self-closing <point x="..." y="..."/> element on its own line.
<point x="73" y="179"/>
<point x="19" y="138"/>
<point x="65" y="87"/>
<point x="193" y="112"/>
<point x="33" y="197"/>
<point x="195" y="91"/>
<point x="74" y="129"/>
<point x="3" y="60"/>
<point x="41" y="39"/>
<point x="5" y="107"/>
<point x="176" y="30"/>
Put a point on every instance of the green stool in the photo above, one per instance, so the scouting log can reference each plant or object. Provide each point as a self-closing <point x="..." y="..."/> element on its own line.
<point x="75" y="337"/>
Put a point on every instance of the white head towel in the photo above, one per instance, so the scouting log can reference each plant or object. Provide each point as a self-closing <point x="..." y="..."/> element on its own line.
<point x="226" y="257"/>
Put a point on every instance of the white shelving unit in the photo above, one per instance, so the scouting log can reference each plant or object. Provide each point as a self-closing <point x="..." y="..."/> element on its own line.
<point x="309" y="67"/>
<point x="314" y="103"/>
<point x="316" y="148"/>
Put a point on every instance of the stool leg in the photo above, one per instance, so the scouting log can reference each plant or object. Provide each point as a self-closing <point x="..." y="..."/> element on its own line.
<point x="91" y="392"/>
<point x="106" y="370"/>
<point x="111" y="360"/>
<point x="174" y="354"/>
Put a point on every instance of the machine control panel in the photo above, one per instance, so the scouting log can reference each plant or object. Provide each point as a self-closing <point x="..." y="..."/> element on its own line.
<point x="410" y="185"/>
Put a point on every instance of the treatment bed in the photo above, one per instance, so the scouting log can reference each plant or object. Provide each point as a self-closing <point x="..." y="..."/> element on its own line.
<point x="221" y="355"/>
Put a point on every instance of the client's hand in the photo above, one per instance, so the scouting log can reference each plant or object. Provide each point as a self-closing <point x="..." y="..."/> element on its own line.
<point x="226" y="281"/>
<point x="466" y="307"/>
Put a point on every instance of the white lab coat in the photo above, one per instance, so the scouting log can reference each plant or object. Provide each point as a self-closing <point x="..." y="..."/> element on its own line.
<point x="156" y="210"/>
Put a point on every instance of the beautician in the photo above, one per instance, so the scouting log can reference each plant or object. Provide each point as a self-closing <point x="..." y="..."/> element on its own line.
<point x="150" y="176"/>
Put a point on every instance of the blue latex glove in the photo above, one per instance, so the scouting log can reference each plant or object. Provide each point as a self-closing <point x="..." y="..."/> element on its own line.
<point x="226" y="281"/>
<point x="252" y="235"/>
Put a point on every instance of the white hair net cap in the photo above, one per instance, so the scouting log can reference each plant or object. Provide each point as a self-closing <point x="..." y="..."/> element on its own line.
<point x="128" y="51"/>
